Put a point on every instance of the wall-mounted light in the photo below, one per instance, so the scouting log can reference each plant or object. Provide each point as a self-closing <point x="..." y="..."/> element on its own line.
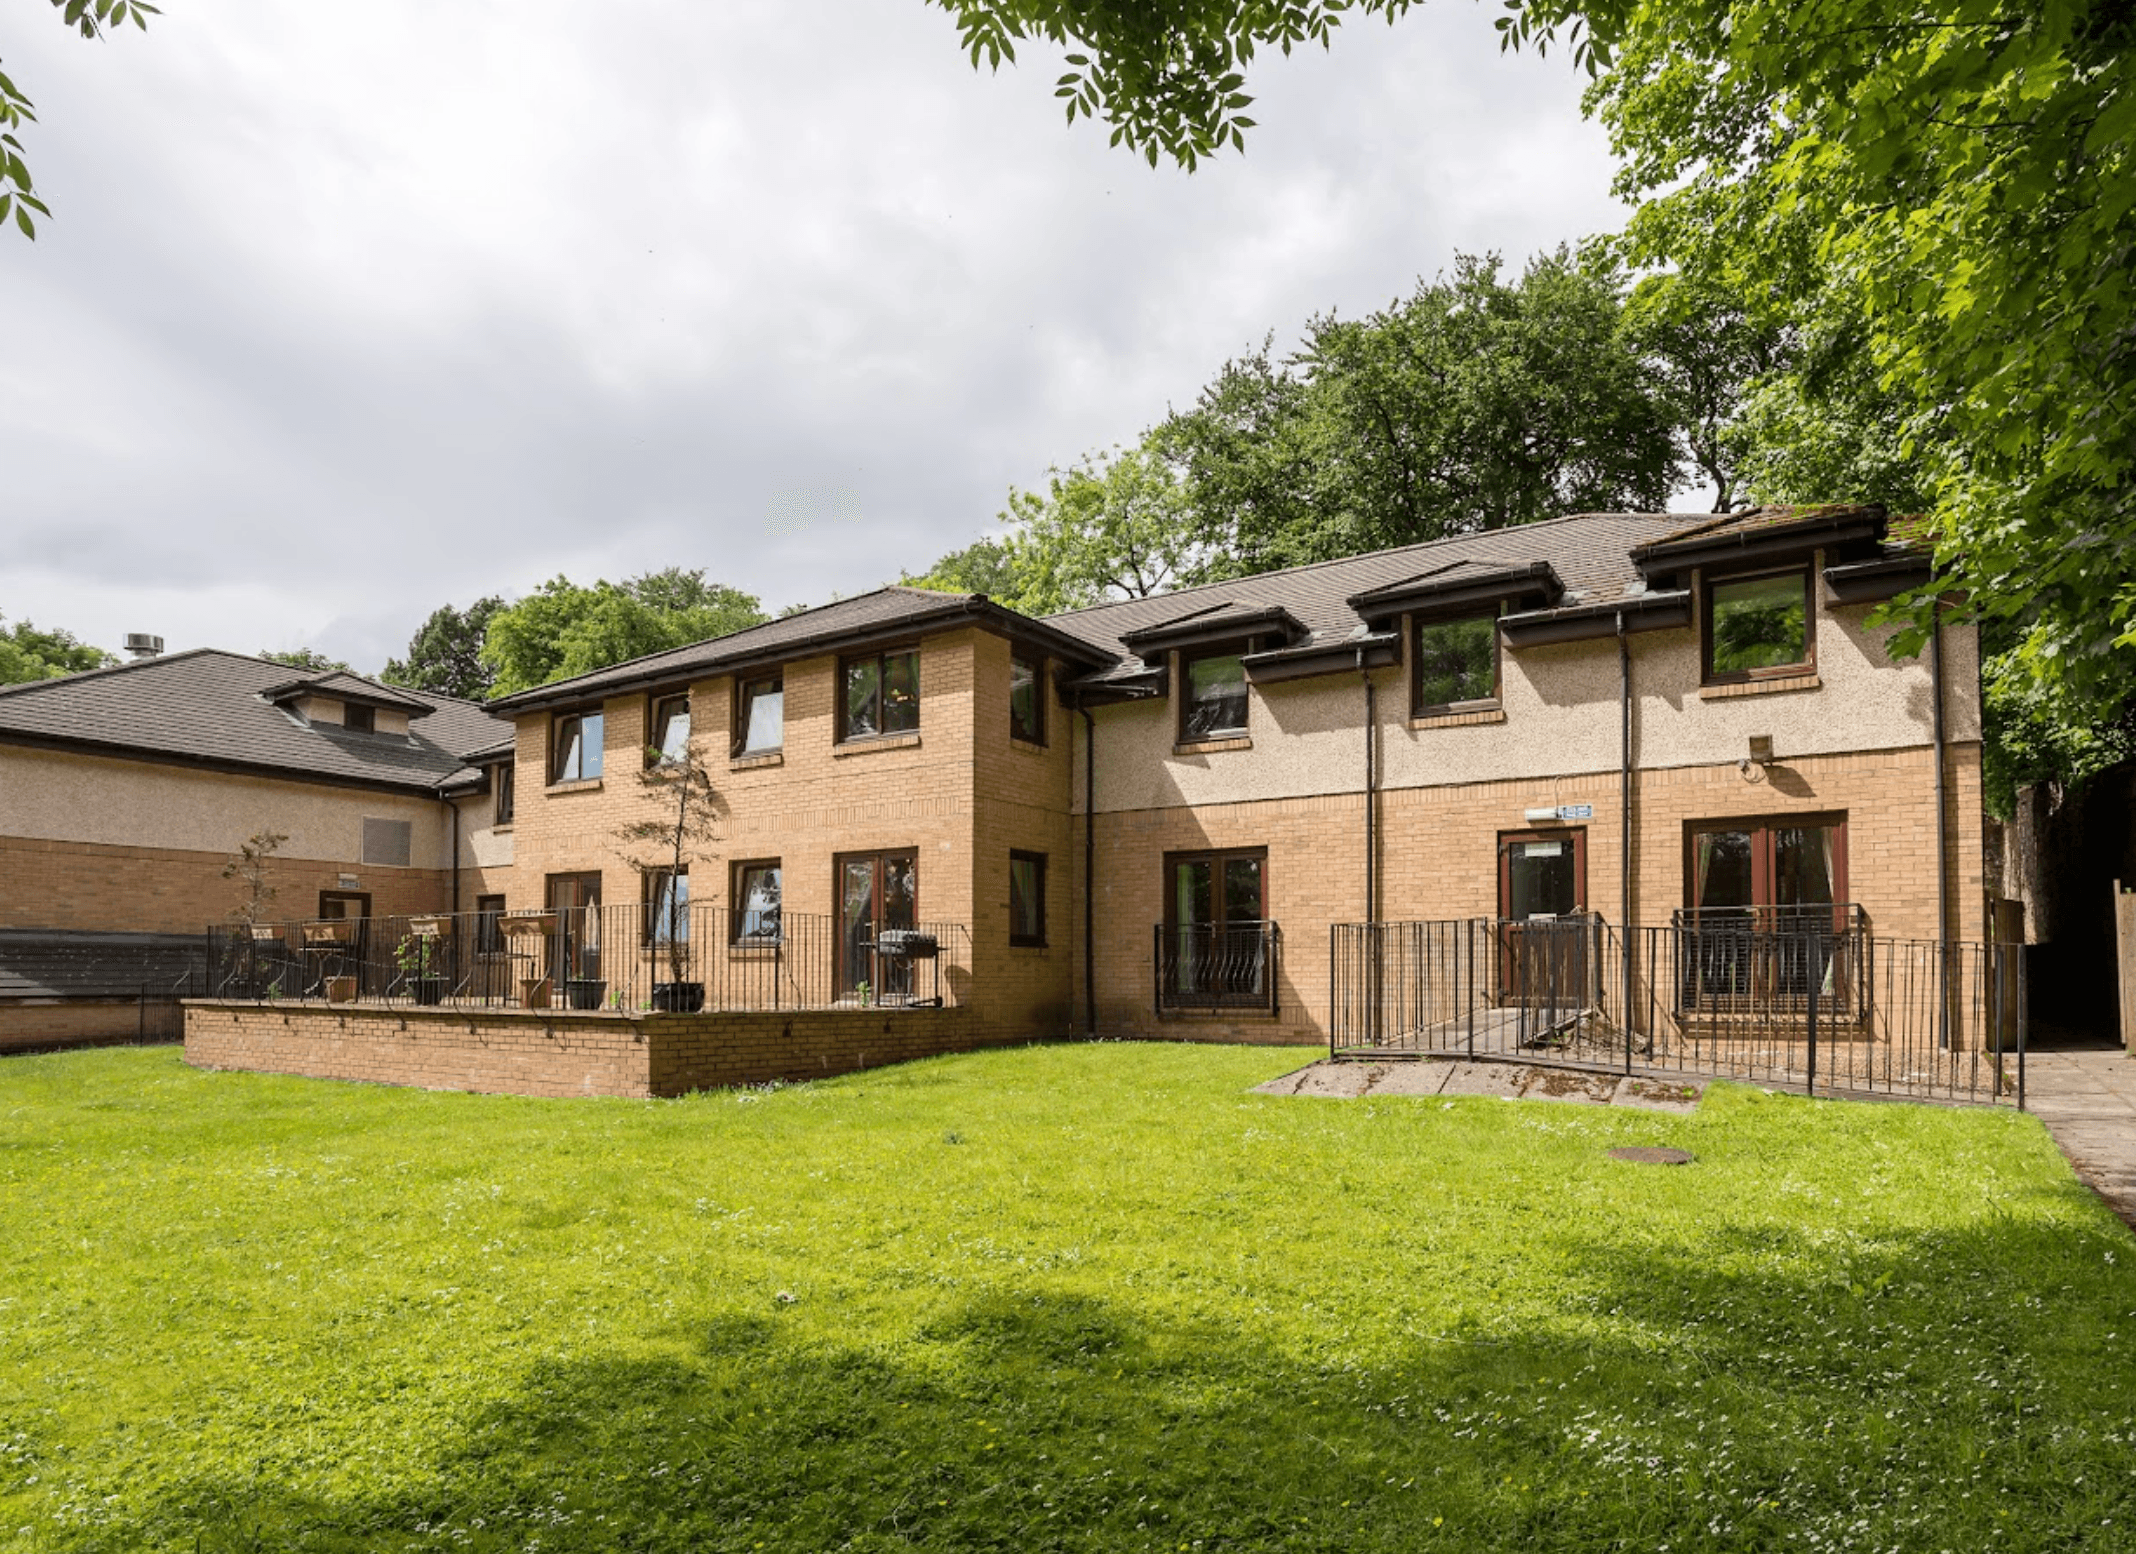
<point x="1760" y="757"/>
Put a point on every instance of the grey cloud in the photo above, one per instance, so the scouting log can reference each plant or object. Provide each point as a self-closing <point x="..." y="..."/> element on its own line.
<point x="348" y="310"/>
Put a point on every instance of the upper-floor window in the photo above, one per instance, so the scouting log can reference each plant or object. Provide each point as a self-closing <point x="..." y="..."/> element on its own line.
<point x="879" y="694"/>
<point x="756" y="902"/>
<point x="1757" y="625"/>
<point x="359" y="719"/>
<point x="575" y="754"/>
<point x="1456" y="663"/>
<point x="501" y="787"/>
<point x="1213" y="703"/>
<point x="760" y="715"/>
<point x="1027" y="700"/>
<point x="671" y="729"/>
<point x="1027" y="898"/>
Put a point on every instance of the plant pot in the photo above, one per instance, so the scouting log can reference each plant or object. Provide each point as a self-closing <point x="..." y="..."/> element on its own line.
<point x="678" y="997"/>
<point x="429" y="990"/>
<point x="434" y="926"/>
<point x="341" y="990"/>
<point x="262" y="934"/>
<point x="339" y="932"/>
<point x="585" y="992"/>
<point x="534" y="993"/>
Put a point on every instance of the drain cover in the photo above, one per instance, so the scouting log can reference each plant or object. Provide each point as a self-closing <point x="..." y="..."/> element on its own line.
<point x="1652" y="1154"/>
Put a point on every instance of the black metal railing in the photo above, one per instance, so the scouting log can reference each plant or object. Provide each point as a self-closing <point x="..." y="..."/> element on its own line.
<point x="620" y="959"/>
<point x="1814" y="1001"/>
<point x="1207" y="966"/>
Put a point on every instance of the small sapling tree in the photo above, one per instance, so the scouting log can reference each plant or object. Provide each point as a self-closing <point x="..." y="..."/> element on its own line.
<point x="249" y="869"/>
<point x="684" y="822"/>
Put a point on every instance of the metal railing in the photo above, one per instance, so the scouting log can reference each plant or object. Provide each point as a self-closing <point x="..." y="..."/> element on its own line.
<point x="1814" y="1002"/>
<point x="620" y="959"/>
<point x="1206" y="966"/>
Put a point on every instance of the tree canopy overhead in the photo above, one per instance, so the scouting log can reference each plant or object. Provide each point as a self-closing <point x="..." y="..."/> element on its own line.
<point x="91" y="18"/>
<point x="562" y="629"/>
<point x="1949" y="193"/>
<point x="29" y="654"/>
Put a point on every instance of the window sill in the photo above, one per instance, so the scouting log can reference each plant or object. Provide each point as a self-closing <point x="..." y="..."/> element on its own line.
<point x="1460" y="717"/>
<point x="501" y="828"/>
<point x="763" y="949"/>
<point x="1027" y="746"/>
<point x="1212" y="746"/>
<point x="1036" y="946"/>
<point x="754" y="759"/>
<point x="1806" y="681"/>
<point x="872" y="742"/>
<point x="577" y="785"/>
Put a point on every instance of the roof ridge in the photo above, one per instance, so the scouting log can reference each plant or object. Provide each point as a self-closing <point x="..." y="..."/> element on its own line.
<point x="1336" y="561"/>
<point x="77" y="676"/>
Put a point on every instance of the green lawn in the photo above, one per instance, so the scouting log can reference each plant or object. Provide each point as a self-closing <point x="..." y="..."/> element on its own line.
<point x="1062" y="1298"/>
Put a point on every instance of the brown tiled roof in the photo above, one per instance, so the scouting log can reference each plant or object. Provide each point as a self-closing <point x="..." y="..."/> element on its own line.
<point x="211" y="708"/>
<point x="351" y="687"/>
<point x="1590" y="553"/>
<point x="885" y="610"/>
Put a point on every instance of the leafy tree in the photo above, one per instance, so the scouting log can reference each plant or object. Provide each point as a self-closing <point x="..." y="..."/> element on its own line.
<point x="250" y="868"/>
<point x="1477" y="403"/>
<point x="1969" y="172"/>
<point x="1104" y="528"/>
<point x="445" y="654"/>
<point x="90" y="18"/>
<point x="986" y="566"/>
<point x="1711" y="349"/>
<point x="308" y="659"/>
<point x="29" y="654"/>
<point x="685" y="822"/>
<point x="562" y="629"/>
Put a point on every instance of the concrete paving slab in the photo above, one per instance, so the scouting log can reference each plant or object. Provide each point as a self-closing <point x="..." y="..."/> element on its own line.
<point x="1508" y="1081"/>
<point x="2087" y="1099"/>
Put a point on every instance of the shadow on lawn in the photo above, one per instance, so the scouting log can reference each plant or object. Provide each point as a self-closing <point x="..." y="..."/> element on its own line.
<point x="1733" y="1404"/>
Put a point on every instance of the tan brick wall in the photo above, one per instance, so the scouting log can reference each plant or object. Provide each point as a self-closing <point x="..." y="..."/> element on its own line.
<point x="1438" y="859"/>
<point x="39" y="1024"/>
<point x="85" y="885"/>
<point x="558" y="1054"/>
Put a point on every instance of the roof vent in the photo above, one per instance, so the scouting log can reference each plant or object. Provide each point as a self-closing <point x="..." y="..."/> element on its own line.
<point x="142" y="645"/>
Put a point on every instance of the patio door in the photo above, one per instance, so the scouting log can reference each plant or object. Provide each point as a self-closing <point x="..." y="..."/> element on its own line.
<point x="876" y="891"/>
<point x="1214" y="949"/>
<point x="576" y="901"/>
<point x="343" y="906"/>
<point x="1542" y="909"/>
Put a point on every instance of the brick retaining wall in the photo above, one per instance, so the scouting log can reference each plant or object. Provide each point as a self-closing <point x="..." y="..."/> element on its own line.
<point x="554" y="1053"/>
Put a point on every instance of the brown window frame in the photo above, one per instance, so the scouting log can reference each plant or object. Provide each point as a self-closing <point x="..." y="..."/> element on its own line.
<point x="358" y="718"/>
<point x="656" y="728"/>
<point x="557" y="723"/>
<point x="745" y="687"/>
<point x="1807" y="664"/>
<point x="1507" y="840"/>
<point x="737" y="902"/>
<point x="1418" y="707"/>
<point x="1762" y="855"/>
<point x="1035" y="941"/>
<point x="649" y="903"/>
<point x="880" y="658"/>
<point x="1037" y="665"/>
<point x="1217" y="856"/>
<point x="504" y="798"/>
<point x="489" y="915"/>
<point x="1184" y="694"/>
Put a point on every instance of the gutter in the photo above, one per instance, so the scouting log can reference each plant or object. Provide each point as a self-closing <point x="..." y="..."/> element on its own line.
<point x="1653" y="611"/>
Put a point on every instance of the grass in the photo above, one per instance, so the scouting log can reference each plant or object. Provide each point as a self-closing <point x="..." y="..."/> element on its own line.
<point x="1060" y="1298"/>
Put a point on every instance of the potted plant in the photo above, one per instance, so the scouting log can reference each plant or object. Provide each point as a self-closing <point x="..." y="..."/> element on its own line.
<point x="687" y="816"/>
<point x="421" y="960"/>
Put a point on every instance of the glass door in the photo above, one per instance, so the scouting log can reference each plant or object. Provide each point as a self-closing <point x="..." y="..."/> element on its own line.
<point x="576" y="901"/>
<point x="1216" y="911"/>
<point x="1542" y="907"/>
<point x="876" y="892"/>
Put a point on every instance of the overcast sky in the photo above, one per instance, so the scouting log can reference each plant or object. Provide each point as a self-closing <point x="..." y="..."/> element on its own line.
<point x="353" y="307"/>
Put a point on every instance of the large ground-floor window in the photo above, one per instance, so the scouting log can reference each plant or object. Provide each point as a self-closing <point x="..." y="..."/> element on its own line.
<point x="876" y="892"/>
<point x="1771" y="869"/>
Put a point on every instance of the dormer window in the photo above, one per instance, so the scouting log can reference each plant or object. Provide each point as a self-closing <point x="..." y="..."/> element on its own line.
<point x="1213" y="700"/>
<point x="1456" y="664"/>
<point x="359" y="719"/>
<point x="1757" y="627"/>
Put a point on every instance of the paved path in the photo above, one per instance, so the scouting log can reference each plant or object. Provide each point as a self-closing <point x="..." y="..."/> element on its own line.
<point x="2087" y="1098"/>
